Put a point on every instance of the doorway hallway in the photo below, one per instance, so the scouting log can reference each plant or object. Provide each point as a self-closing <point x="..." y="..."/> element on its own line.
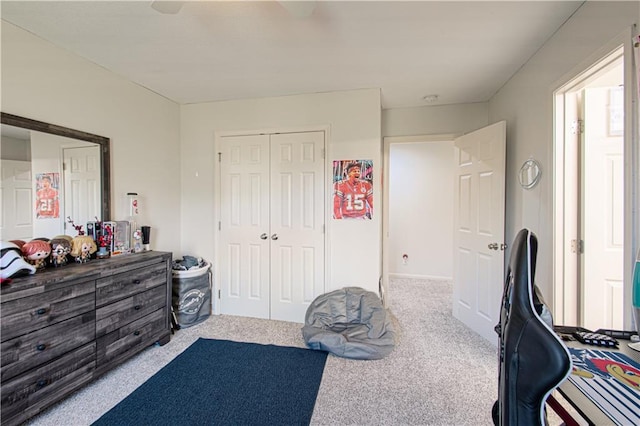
<point x="470" y="189"/>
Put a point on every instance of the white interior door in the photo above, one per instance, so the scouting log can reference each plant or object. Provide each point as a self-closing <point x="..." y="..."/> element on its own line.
<point x="478" y="262"/>
<point x="244" y="231"/>
<point x="82" y="185"/>
<point x="272" y="224"/>
<point x="297" y="223"/>
<point x="17" y="206"/>
<point x="602" y="212"/>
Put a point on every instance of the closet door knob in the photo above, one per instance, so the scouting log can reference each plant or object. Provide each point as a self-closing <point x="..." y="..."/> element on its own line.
<point x="264" y="236"/>
<point x="274" y="237"/>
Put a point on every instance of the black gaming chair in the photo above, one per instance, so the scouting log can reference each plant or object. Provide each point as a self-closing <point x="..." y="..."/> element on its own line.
<point x="533" y="360"/>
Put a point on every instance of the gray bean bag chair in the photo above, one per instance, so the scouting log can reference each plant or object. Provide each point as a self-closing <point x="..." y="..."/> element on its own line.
<point x="351" y="323"/>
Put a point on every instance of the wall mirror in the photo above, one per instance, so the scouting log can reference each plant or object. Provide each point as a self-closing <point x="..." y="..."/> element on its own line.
<point x="529" y="174"/>
<point x="50" y="173"/>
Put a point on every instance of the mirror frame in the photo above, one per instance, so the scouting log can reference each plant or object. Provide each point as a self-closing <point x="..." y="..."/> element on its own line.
<point x="105" y="159"/>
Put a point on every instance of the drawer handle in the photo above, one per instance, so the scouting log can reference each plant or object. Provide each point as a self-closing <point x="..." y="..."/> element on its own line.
<point x="41" y="347"/>
<point x="41" y="311"/>
<point x="137" y="307"/>
<point x="136" y="333"/>
<point x="42" y="383"/>
<point x="136" y="281"/>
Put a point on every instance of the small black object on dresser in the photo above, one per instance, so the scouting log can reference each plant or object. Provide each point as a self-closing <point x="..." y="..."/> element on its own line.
<point x="595" y="339"/>
<point x="62" y="328"/>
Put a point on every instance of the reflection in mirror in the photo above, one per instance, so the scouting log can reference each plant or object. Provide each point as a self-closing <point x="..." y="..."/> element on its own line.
<point x="50" y="173"/>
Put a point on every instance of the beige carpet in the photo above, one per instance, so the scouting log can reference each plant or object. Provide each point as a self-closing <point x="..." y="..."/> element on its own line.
<point x="440" y="373"/>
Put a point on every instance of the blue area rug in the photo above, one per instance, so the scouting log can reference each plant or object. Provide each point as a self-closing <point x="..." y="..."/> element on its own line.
<point x="220" y="382"/>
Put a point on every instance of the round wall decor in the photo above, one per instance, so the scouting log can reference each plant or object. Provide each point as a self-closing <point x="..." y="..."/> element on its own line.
<point x="529" y="174"/>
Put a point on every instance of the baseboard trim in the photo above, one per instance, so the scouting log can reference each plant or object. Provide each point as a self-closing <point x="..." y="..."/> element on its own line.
<point x="420" y="277"/>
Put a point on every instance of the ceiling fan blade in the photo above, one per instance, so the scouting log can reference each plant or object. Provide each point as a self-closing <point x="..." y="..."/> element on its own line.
<point x="167" y="7"/>
<point x="299" y="9"/>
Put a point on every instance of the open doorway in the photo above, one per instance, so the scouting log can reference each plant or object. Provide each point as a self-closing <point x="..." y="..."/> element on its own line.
<point x="589" y="207"/>
<point x="436" y="188"/>
<point x="417" y="213"/>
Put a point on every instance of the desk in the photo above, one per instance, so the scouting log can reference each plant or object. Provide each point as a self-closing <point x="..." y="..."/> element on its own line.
<point x="574" y="396"/>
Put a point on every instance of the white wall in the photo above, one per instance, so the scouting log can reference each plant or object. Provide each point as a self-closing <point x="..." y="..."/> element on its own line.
<point x="435" y="120"/>
<point x="525" y="102"/>
<point x="353" y="119"/>
<point x="42" y="82"/>
<point x="15" y="149"/>
<point x="421" y="209"/>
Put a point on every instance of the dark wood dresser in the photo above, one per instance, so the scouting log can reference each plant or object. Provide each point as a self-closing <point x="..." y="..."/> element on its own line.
<point x="62" y="328"/>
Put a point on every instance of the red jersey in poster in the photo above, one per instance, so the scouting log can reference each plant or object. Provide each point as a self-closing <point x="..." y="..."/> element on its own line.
<point x="353" y="197"/>
<point x="47" y="199"/>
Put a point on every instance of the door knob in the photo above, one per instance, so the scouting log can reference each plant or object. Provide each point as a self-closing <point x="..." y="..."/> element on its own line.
<point x="274" y="237"/>
<point x="264" y="236"/>
<point x="503" y="246"/>
<point x="493" y="246"/>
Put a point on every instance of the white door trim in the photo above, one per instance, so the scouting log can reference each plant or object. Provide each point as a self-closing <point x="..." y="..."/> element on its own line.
<point x="631" y="171"/>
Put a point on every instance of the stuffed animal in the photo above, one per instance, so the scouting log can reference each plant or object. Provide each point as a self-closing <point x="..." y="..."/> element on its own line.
<point x="82" y="247"/>
<point x="36" y="252"/>
<point x="60" y="248"/>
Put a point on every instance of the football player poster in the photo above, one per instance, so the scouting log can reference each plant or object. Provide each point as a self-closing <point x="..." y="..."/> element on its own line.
<point x="352" y="189"/>
<point x="47" y="200"/>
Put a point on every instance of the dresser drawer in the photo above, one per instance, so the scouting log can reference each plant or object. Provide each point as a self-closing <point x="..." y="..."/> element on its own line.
<point x="26" y="395"/>
<point x="48" y="339"/>
<point x="119" y="345"/>
<point x="113" y="316"/>
<point x="27" y="314"/>
<point x="31" y="350"/>
<point x="120" y="286"/>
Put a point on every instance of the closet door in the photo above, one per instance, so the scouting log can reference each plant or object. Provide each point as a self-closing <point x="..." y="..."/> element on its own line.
<point x="272" y="224"/>
<point x="244" y="239"/>
<point x="297" y="223"/>
<point x="17" y="206"/>
<point x="82" y="196"/>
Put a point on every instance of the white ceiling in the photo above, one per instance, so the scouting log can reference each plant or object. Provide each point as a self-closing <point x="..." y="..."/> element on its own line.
<point x="221" y="50"/>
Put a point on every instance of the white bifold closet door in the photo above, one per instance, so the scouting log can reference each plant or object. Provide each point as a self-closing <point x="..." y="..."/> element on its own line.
<point x="271" y="250"/>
